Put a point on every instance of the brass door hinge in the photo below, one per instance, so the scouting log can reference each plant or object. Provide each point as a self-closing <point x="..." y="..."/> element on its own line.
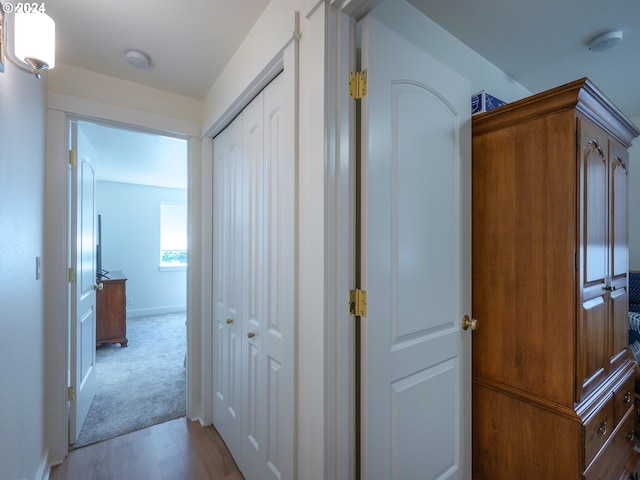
<point x="358" y="84"/>
<point x="71" y="394"/>
<point x="358" y="303"/>
<point x="72" y="275"/>
<point x="73" y="157"/>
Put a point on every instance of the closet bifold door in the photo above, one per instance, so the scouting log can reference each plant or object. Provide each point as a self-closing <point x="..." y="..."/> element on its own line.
<point x="228" y="185"/>
<point x="254" y="228"/>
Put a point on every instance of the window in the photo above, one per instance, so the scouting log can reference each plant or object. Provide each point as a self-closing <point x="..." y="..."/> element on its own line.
<point x="173" y="235"/>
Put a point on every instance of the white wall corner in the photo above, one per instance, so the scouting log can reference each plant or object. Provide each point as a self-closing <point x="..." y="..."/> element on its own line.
<point x="252" y="61"/>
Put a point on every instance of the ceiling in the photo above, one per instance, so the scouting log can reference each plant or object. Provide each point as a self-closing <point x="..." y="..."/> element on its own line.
<point x="131" y="156"/>
<point x="189" y="41"/>
<point x="544" y="43"/>
<point x="540" y="44"/>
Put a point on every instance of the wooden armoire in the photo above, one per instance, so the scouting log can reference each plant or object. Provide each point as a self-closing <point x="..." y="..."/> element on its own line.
<point x="553" y="381"/>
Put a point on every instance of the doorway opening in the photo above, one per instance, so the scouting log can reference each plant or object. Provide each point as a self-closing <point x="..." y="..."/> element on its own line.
<point x="140" y="263"/>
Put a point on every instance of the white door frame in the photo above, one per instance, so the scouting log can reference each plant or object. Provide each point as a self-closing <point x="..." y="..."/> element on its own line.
<point x="61" y="109"/>
<point x="340" y="184"/>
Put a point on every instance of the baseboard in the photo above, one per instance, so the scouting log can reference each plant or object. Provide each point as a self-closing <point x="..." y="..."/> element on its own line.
<point x="145" y="312"/>
<point x="44" y="469"/>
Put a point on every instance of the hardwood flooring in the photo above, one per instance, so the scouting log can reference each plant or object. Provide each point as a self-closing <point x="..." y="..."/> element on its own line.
<point x="175" y="450"/>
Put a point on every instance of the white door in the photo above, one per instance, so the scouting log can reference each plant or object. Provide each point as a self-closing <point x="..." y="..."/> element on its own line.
<point x="267" y="327"/>
<point x="83" y="296"/>
<point x="254" y="234"/>
<point x="228" y="228"/>
<point x="416" y="263"/>
<point x="254" y="301"/>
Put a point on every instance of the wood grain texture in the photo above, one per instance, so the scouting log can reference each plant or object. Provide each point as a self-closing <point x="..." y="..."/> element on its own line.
<point x="111" y="310"/>
<point x="550" y="261"/>
<point x="178" y="449"/>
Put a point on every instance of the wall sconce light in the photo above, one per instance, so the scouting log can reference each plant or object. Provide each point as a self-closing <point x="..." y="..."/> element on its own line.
<point x="34" y="43"/>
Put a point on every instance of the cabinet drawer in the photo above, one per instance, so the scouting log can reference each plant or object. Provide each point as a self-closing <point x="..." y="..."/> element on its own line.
<point x="611" y="461"/>
<point x="597" y="430"/>
<point x="623" y="397"/>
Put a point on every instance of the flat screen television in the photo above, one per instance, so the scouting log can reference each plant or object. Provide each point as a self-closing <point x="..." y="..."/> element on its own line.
<point x="100" y="273"/>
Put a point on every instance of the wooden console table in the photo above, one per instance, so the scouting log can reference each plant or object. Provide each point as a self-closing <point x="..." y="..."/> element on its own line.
<point x="111" y="310"/>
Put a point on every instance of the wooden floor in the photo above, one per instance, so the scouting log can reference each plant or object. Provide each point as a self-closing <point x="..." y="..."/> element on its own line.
<point x="175" y="450"/>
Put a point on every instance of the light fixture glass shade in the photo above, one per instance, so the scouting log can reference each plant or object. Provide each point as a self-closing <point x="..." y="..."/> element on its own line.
<point x="35" y="39"/>
<point x="605" y="41"/>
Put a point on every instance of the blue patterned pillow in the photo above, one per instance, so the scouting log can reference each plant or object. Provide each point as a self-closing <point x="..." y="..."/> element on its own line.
<point x="634" y="291"/>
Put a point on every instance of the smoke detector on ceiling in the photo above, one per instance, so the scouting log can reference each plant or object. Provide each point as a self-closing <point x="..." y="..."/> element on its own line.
<point x="605" y="41"/>
<point x="138" y="58"/>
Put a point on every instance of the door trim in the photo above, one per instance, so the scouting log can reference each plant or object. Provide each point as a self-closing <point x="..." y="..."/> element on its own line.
<point x="342" y="427"/>
<point x="65" y="109"/>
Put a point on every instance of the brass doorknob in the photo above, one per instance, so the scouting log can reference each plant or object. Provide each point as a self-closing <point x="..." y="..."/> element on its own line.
<point x="229" y="320"/>
<point x="251" y="335"/>
<point x="98" y="286"/>
<point x="467" y="322"/>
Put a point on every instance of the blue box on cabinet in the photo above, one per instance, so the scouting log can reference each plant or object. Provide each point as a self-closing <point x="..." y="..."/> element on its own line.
<point x="483" y="102"/>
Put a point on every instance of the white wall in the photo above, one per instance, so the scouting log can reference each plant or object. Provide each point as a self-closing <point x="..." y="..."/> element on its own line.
<point x="271" y="32"/>
<point x="432" y="38"/>
<point x="131" y="243"/>
<point x="65" y="79"/>
<point x="22" y="317"/>
<point x="634" y="202"/>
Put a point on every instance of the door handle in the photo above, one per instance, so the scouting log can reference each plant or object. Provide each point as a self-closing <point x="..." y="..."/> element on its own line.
<point x="251" y="335"/>
<point x="469" y="323"/>
<point x="98" y="286"/>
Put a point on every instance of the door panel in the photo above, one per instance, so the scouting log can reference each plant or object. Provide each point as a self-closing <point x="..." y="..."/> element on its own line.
<point x="619" y="209"/>
<point x="618" y="225"/>
<point x="593" y="368"/>
<point x="278" y="279"/>
<point x="416" y="385"/>
<point x="254" y="289"/>
<point x="83" y="298"/>
<point x="228" y="178"/>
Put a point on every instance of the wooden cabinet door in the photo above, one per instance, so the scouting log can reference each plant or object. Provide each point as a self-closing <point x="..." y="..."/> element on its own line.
<point x="618" y="251"/>
<point x="593" y="343"/>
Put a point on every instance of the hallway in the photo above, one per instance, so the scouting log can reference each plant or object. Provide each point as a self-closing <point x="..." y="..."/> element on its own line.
<point x="174" y="450"/>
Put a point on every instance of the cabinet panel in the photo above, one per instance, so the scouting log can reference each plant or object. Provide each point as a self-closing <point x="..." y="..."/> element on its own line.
<point x="593" y="198"/>
<point x="524" y="223"/>
<point x="619" y="209"/>
<point x="593" y="352"/>
<point x="513" y="439"/>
